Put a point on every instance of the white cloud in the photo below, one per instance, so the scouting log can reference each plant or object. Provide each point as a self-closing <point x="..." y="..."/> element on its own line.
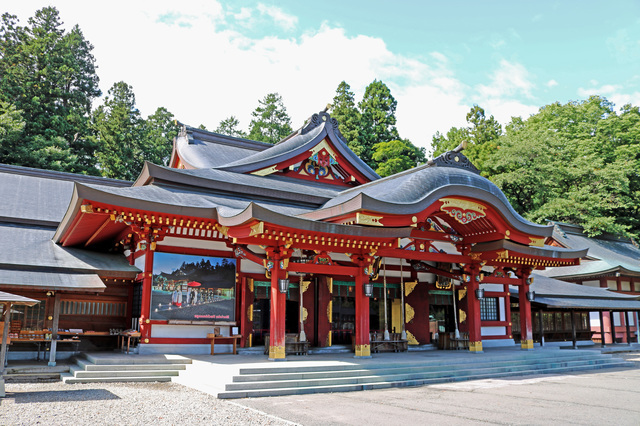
<point x="281" y="18"/>
<point x="552" y="83"/>
<point x="613" y="93"/>
<point x="502" y="97"/>
<point x="508" y="80"/>
<point x="202" y="66"/>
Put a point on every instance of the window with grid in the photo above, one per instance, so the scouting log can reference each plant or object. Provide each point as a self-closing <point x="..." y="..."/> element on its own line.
<point x="489" y="309"/>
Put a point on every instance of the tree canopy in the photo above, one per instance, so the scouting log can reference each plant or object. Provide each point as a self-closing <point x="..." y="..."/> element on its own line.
<point x="270" y="122"/>
<point x="229" y="127"/>
<point x="49" y="76"/>
<point x="480" y="137"/>
<point x="577" y="163"/>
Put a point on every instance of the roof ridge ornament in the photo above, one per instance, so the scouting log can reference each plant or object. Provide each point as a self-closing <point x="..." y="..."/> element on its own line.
<point x="322" y="117"/>
<point x="454" y="158"/>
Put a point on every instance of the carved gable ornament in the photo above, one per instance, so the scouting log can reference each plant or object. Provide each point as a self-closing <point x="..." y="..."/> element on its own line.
<point x="463" y="211"/>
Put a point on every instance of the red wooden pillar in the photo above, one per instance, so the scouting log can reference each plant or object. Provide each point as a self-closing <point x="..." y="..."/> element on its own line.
<point x="507" y="311"/>
<point x="147" y="283"/>
<point x="278" y="310"/>
<point x="526" y="323"/>
<point x="473" y="311"/>
<point x="246" y="312"/>
<point x="362" y="343"/>
<point x="325" y="295"/>
<point x="418" y="299"/>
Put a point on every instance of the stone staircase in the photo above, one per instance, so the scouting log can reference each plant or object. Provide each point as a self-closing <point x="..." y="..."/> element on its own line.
<point x="92" y="368"/>
<point x="34" y="373"/>
<point x="378" y="374"/>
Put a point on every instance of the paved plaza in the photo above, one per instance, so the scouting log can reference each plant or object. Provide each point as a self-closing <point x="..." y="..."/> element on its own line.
<point x="594" y="398"/>
<point x="607" y="396"/>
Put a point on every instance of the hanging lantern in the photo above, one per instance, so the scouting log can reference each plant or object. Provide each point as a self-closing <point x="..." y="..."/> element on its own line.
<point x="283" y="285"/>
<point x="368" y="289"/>
<point x="531" y="296"/>
<point x="480" y="293"/>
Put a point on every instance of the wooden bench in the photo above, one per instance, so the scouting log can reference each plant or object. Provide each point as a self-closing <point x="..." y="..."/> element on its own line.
<point x="394" y="344"/>
<point x="233" y="339"/>
<point x="292" y="345"/>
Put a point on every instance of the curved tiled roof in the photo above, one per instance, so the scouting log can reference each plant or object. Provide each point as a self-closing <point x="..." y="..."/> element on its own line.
<point x="318" y="127"/>
<point x="201" y="149"/>
<point x="414" y="190"/>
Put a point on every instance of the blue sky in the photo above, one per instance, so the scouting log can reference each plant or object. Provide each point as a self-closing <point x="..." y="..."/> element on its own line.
<point x="207" y="60"/>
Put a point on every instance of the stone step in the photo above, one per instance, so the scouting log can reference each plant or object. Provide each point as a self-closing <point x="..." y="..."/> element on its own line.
<point x="80" y="373"/>
<point x="115" y="359"/>
<point x="70" y="379"/>
<point x="247" y="375"/>
<point x="482" y="359"/>
<point x="392" y="376"/>
<point x="88" y="366"/>
<point x="32" y="377"/>
<point x="414" y="382"/>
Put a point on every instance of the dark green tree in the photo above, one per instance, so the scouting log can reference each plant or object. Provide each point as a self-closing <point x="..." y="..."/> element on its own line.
<point x="49" y="75"/>
<point x="570" y="163"/>
<point x="229" y="126"/>
<point x="396" y="156"/>
<point x="378" y="122"/>
<point x="480" y="137"/>
<point x="345" y="111"/>
<point x="12" y="150"/>
<point x="159" y="130"/>
<point x="119" y="132"/>
<point x="270" y="122"/>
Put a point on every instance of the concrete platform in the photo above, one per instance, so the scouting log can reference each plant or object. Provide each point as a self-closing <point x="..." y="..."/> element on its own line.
<point x="212" y="374"/>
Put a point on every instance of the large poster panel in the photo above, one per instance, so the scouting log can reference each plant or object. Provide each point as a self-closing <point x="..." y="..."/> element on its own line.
<point x="187" y="287"/>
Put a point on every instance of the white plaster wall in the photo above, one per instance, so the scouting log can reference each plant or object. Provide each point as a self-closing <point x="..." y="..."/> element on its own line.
<point x="492" y="287"/>
<point x="591" y="283"/>
<point x="187" y="331"/>
<point x="493" y="331"/>
<point x="196" y="244"/>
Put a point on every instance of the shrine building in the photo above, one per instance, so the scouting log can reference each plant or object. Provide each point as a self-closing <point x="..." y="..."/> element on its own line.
<point x="302" y="242"/>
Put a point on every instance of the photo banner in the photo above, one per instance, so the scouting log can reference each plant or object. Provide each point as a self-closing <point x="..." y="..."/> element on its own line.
<point x="195" y="288"/>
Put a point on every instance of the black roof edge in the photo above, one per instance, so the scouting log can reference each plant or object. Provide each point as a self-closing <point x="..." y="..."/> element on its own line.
<point x="209" y="136"/>
<point x="571" y="228"/>
<point x="66" y="176"/>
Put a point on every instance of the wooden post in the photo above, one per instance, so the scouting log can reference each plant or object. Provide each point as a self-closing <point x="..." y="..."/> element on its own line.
<point x="507" y="311"/>
<point x="362" y="342"/>
<point x="5" y="337"/>
<point x="541" y="325"/>
<point x="526" y="328"/>
<point x="54" y="331"/>
<point x="612" y="325"/>
<point x="3" y="351"/>
<point x="626" y="323"/>
<point x="473" y="310"/>
<point x="147" y="283"/>
<point x="602" y="335"/>
<point x="278" y="311"/>
<point x="574" y="338"/>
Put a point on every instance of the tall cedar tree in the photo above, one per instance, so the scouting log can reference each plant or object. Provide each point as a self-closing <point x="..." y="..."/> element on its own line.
<point x="345" y="111"/>
<point x="159" y="130"/>
<point x="229" y="127"/>
<point x="119" y="132"/>
<point x="48" y="75"/>
<point x="378" y="123"/>
<point x="480" y="135"/>
<point x="270" y="122"/>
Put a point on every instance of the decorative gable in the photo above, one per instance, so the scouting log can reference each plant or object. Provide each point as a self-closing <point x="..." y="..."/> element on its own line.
<point x="316" y="152"/>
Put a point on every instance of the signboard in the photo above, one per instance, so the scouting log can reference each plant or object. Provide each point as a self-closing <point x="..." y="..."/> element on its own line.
<point x="187" y="287"/>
